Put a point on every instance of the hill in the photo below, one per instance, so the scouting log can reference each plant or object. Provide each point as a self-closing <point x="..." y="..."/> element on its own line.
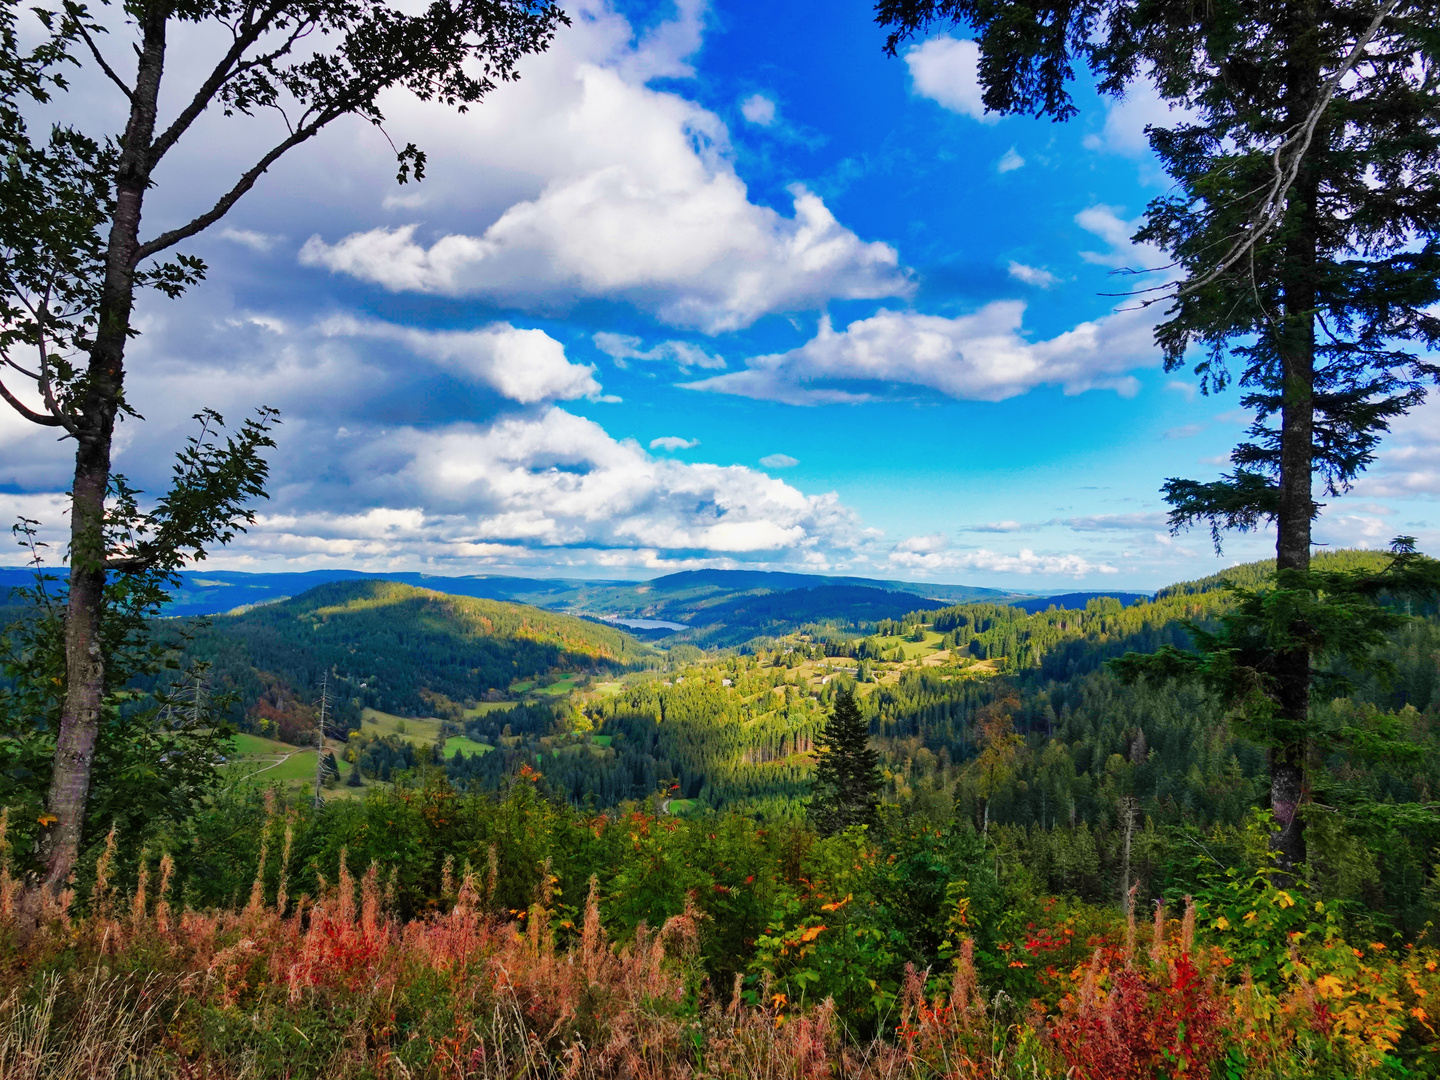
<point x="397" y="649"/>
<point x="674" y="597"/>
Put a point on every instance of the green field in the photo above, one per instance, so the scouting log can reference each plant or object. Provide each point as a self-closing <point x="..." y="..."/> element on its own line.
<point x="465" y="745"/>
<point x="268" y="761"/>
<point x="420" y="731"/>
<point x="682" y="806"/>
<point x="485" y="708"/>
<point x="913" y="649"/>
<point x="563" y="685"/>
<point x="601" y="740"/>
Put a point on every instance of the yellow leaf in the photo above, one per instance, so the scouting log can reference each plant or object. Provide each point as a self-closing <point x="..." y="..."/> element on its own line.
<point x="1250" y="916"/>
<point x="1222" y="923"/>
<point x="47" y="819"/>
<point x="1284" y="899"/>
<point x="1329" y="986"/>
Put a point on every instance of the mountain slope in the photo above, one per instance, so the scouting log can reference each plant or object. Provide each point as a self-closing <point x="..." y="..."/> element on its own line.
<point x="399" y="649"/>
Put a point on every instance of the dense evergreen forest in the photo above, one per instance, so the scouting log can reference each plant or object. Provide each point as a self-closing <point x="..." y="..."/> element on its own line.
<point x="395" y="648"/>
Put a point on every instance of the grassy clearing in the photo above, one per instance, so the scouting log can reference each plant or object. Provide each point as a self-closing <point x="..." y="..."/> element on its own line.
<point x="485" y="708"/>
<point x="250" y="746"/>
<point x="420" y="731"/>
<point x="602" y="740"/>
<point x="466" y="746"/>
<point x="683" y="806"/>
<point x="563" y="685"/>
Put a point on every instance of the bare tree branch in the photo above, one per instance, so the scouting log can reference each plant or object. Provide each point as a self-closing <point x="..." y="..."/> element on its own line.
<point x="104" y="66"/>
<point x="223" y="70"/>
<point x="28" y="413"/>
<point x="231" y="197"/>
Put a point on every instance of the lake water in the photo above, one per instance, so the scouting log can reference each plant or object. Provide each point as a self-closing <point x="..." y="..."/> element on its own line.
<point x="646" y="624"/>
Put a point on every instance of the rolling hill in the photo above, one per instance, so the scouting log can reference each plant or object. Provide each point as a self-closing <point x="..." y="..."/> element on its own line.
<point x="397" y="649"/>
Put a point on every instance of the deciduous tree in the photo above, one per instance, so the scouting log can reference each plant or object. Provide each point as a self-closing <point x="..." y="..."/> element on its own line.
<point x="75" y="255"/>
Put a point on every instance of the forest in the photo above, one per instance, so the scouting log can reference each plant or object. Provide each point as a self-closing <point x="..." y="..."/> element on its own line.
<point x="713" y="310"/>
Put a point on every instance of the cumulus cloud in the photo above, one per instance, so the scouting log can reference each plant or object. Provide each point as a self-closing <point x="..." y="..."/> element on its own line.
<point x="703" y="258"/>
<point x="559" y="480"/>
<point x="623" y="347"/>
<point x="1106" y="223"/>
<point x="946" y="70"/>
<point x="923" y="545"/>
<point x="779" y="461"/>
<point x="632" y="197"/>
<point x="1025" y="562"/>
<point x="1032" y="275"/>
<point x="1010" y="162"/>
<point x="527" y="366"/>
<point x="759" y="110"/>
<point x="673" y="442"/>
<point x="1127" y="118"/>
<point x="984" y="356"/>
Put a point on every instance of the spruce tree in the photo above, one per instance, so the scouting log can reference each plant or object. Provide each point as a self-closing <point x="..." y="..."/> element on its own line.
<point x="847" y="776"/>
<point x="1304" y="233"/>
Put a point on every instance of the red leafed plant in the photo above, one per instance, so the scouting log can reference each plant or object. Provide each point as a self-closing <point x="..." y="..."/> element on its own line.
<point x="1162" y="1019"/>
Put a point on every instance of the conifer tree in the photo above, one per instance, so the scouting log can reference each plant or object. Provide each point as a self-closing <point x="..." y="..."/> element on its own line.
<point x="847" y="776"/>
<point x="1304" y="233"/>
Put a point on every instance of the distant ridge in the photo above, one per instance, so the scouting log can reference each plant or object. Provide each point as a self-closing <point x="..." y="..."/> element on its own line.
<point x="216" y="592"/>
<point x="1076" y="601"/>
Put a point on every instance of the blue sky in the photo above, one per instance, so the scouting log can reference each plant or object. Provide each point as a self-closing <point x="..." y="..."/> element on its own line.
<point x="711" y="286"/>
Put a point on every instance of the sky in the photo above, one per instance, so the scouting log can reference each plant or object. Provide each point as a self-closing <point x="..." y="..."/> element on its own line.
<point x="710" y="286"/>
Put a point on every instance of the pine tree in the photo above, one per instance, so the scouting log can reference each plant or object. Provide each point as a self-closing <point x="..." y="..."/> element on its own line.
<point x="847" y="776"/>
<point x="1303" y="230"/>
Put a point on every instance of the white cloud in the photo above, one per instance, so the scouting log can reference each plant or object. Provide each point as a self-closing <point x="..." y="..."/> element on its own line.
<point x="255" y="241"/>
<point x="981" y="357"/>
<point x="527" y="366"/>
<point x="1025" y="562"/>
<point x="946" y="70"/>
<point x="558" y="480"/>
<point x="1106" y="223"/>
<point x="673" y="442"/>
<point x="779" y="461"/>
<point x="759" y="110"/>
<point x="923" y="545"/>
<point x="1033" y="275"/>
<point x="1127" y="118"/>
<point x="1408" y="463"/>
<point x="612" y="190"/>
<point x="623" y="347"/>
<point x="1010" y="162"/>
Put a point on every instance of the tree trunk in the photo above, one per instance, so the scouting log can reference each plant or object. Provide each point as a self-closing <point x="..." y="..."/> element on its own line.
<point x="101" y="399"/>
<point x="1296" y="342"/>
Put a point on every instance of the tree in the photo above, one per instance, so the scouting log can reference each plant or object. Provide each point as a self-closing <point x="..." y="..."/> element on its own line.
<point x="74" y="255"/>
<point x="1000" y="751"/>
<point x="846" y="788"/>
<point x="1304" y="229"/>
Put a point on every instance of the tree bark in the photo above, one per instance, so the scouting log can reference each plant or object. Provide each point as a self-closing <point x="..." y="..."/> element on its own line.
<point x="100" y="401"/>
<point x="1296" y="344"/>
